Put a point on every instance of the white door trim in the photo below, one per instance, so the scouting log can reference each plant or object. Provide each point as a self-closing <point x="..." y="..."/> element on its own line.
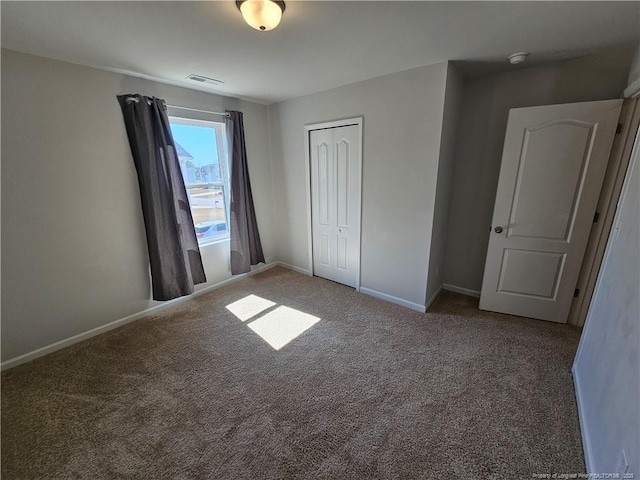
<point x="607" y="203"/>
<point x="633" y="90"/>
<point x="357" y="121"/>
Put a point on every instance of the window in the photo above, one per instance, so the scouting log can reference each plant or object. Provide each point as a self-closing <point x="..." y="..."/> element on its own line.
<point x="202" y="153"/>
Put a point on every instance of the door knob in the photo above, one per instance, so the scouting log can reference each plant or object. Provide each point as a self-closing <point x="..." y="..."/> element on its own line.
<point x="498" y="229"/>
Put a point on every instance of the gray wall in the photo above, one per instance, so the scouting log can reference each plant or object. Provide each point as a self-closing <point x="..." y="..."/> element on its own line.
<point x="607" y="365"/>
<point x="402" y="129"/>
<point x="486" y="104"/>
<point x="71" y="214"/>
<point x="73" y="242"/>
<point x="450" y="121"/>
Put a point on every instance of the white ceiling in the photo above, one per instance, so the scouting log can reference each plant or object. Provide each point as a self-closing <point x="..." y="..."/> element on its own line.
<point x="318" y="45"/>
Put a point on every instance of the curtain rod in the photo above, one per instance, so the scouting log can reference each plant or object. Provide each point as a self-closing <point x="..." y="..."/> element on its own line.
<point x="224" y="114"/>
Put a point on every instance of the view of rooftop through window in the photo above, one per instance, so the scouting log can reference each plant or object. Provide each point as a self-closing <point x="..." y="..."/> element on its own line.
<point x="204" y="168"/>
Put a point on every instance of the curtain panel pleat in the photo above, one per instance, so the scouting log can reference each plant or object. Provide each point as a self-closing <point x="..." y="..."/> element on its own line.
<point x="246" y="248"/>
<point x="174" y="255"/>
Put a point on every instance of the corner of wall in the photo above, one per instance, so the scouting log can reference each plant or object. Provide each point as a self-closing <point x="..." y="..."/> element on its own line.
<point x="444" y="180"/>
<point x="276" y="230"/>
<point x="634" y="68"/>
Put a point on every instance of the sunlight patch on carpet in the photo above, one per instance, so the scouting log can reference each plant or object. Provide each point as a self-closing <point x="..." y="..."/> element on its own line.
<point x="249" y="306"/>
<point x="282" y="325"/>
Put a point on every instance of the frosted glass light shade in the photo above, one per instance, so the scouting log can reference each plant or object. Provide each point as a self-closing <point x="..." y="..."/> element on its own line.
<point x="263" y="15"/>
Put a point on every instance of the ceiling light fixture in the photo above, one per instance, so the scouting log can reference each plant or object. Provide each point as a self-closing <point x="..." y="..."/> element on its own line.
<point x="263" y="15"/>
<point x="519" y="57"/>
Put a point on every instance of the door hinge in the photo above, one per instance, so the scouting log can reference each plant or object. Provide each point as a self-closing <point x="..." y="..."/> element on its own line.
<point x="576" y="292"/>
<point x="619" y="129"/>
<point x="596" y="217"/>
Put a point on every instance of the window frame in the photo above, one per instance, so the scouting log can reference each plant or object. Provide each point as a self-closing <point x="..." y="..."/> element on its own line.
<point x="223" y="162"/>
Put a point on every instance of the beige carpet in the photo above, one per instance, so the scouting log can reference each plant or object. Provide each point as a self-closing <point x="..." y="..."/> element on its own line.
<point x="371" y="390"/>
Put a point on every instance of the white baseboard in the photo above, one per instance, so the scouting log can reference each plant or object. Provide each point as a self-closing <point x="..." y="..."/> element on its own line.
<point x="288" y="266"/>
<point x="40" y="352"/>
<point x="463" y="291"/>
<point x="433" y="298"/>
<point x="584" y="431"/>
<point x="367" y="291"/>
<point x="390" y="298"/>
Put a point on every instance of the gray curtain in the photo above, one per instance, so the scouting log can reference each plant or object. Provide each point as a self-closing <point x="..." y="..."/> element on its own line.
<point x="174" y="255"/>
<point x="246" y="249"/>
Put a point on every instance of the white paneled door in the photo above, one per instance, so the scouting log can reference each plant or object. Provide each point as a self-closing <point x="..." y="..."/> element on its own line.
<point x="553" y="165"/>
<point x="335" y="203"/>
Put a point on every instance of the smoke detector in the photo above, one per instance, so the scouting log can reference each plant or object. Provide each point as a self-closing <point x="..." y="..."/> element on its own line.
<point x="200" y="79"/>
<point x="516" y="58"/>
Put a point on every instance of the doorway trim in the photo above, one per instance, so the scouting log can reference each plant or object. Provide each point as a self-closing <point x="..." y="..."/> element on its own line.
<point x="617" y="167"/>
<point x="308" y="128"/>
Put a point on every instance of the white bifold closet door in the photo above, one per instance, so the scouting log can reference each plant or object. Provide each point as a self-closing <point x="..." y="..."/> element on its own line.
<point x="335" y="203"/>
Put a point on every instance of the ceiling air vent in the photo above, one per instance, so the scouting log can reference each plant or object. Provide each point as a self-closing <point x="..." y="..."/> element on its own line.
<point x="207" y="80"/>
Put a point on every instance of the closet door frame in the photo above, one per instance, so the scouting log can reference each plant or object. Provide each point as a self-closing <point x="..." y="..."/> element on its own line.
<point x="308" y="128"/>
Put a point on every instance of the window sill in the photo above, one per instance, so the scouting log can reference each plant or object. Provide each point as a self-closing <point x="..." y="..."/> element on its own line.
<point x="214" y="242"/>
